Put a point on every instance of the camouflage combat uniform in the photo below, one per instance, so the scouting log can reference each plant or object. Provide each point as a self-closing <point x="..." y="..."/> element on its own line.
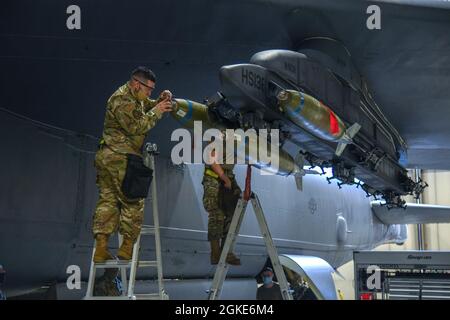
<point x="127" y="122"/>
<point x="219" y="214"/>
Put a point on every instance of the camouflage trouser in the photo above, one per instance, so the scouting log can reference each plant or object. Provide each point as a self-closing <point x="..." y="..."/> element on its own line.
<point x="219" y="220"/>
<point x="113" y="207"/>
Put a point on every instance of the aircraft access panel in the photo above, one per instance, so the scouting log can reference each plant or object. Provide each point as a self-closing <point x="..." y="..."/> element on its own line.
<point x="402" y="275"/>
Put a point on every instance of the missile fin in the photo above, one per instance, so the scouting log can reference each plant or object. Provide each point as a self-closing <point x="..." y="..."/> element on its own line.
<point x="300" y="160"/>
<point x="299" y="182"/>
<point x="353" y="130"/>
<point x="340" y="148"/>
<point x="347" y="138"/>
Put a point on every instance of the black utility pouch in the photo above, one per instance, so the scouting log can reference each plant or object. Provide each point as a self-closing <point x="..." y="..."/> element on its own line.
<point x="137" y="179"/>
<point x="228" y="199"/>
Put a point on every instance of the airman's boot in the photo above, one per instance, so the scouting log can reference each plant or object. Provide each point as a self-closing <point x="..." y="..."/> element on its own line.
<point x="215" y="251"/>
<point x="231" y="257"/>
<point x="126" y="249"/>
<point x="233" y="260"/>
<point x="101" y="249"/>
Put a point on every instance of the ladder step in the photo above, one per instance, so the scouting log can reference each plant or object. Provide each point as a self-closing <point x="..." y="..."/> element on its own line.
<point x="146" y="264"/>
<point x="147" y="230"/>
<point x="148" y="296"/>
<point x="107" y="298"/>
<point x="113" y="264"/>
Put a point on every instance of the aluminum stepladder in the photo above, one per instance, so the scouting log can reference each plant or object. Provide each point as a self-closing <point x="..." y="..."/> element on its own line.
<point x="135" y="263"/>
<point x="238" y="216"/>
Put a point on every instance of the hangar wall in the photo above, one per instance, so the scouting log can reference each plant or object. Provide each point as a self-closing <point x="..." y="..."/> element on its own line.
<point x="435" y="236"/>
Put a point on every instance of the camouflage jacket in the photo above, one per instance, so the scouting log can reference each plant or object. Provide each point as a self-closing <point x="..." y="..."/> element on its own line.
<point x="127" y="121"/>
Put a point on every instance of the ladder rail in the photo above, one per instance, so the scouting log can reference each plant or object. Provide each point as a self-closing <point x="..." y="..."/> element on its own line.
<point x="133" y="267"/>
<point x="123" y="278"/>
<point x="157" y="229"/>
<point x="271" y="249"/>
<point x="91" y="280"/>
<point x="123" y="273"/>
<point x="222" y="267"/>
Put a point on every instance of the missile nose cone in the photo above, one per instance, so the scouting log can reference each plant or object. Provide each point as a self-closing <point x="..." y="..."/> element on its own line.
<point x="179" y="109"/>
<point x="175" y="109"/>
<point x="188" y="111"/>
<point x="283" y="95"/>
<point x="174" y="106"/>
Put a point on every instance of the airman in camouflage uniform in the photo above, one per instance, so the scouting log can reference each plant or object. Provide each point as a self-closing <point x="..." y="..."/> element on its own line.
<point x="130" y="114"/>
<point x="221" y="193"/>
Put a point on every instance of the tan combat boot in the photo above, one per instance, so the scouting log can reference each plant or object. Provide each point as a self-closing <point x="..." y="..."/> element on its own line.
<point x="101" y="249"/>
<point x="126" y="249"/>
<point x="231" y="257"/>
<point x="233" y="260"/>
<point x="215" y="251"/>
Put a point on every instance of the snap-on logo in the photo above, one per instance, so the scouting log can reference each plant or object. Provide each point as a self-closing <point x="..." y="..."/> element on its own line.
<point x="419" y="257"/>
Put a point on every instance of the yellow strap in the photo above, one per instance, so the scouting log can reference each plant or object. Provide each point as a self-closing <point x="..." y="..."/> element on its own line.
<point x="211" y="173"/>
<point x="101" y="143"/>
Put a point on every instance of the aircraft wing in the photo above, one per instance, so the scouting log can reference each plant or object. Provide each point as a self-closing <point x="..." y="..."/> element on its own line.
<point x="412" y="214"/>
